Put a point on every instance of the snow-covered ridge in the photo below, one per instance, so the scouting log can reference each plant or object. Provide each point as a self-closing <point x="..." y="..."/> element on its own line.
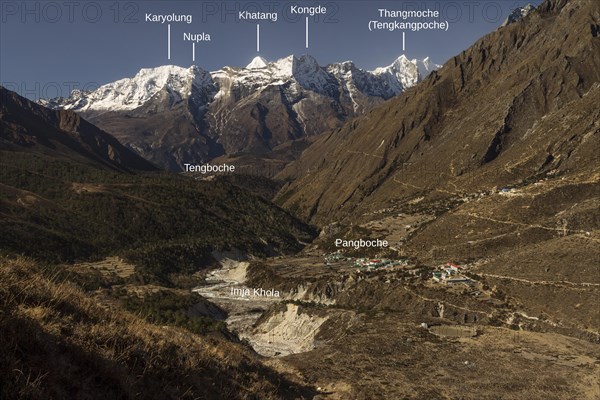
<point x="131" y="93"/>
<point x="304" y="71"/>
<point x="257" y="62"/>
<point x="518" y="14"/>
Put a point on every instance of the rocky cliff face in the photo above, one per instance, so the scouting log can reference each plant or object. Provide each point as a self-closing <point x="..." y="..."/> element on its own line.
<point x="172" y="115"/>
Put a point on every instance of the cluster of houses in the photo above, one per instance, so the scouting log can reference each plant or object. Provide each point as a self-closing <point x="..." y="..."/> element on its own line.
<point x="369" y="264"/>
<point x="450" y="274"/>
<point x="335" y="257"/>
<point x="364" y="264"/>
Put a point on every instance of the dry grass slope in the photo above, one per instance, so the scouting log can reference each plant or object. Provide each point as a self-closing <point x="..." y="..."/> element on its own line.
<point x="58" y="343"/>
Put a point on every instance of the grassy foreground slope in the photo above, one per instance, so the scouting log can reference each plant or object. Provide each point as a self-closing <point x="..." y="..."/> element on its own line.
<point x="58" y="343"/>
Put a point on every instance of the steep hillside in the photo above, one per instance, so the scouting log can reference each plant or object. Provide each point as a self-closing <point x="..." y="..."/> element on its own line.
<point x="77" y="348"/>
<point x="29" y="127"/>
<point x="492" y="162"/>
<point x="482" y="121"/>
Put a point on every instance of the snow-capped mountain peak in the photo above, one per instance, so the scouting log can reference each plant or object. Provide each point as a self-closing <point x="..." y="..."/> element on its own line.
<point x="404" y="73"/>
<point x="292" y="66"/>
<point x="518" y="14"/>
<point x="425" y="67"/>
<point x="257" y="63"/>
<point x="131" y="93"/>
<point x="174" y="115"/>
<point x="284" y="67"/>
<point x="304" y="72"/>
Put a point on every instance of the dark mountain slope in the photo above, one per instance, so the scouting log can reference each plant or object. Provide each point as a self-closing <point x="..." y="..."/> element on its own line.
<point x="64" y="196"/>
<point x="475" y="124"/>
<point x="27" y="126"/>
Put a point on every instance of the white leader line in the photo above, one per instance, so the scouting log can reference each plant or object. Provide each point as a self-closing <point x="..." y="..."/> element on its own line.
<point x="169" y="41"/>
<point x="307" y="32"/>
<point x="257" y="37"/>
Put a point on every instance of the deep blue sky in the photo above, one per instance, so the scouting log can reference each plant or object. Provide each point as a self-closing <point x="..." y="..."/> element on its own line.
<point x="47" y="47"/>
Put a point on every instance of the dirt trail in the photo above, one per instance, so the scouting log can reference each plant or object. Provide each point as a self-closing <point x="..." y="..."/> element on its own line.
<point x="551" y="283"/>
